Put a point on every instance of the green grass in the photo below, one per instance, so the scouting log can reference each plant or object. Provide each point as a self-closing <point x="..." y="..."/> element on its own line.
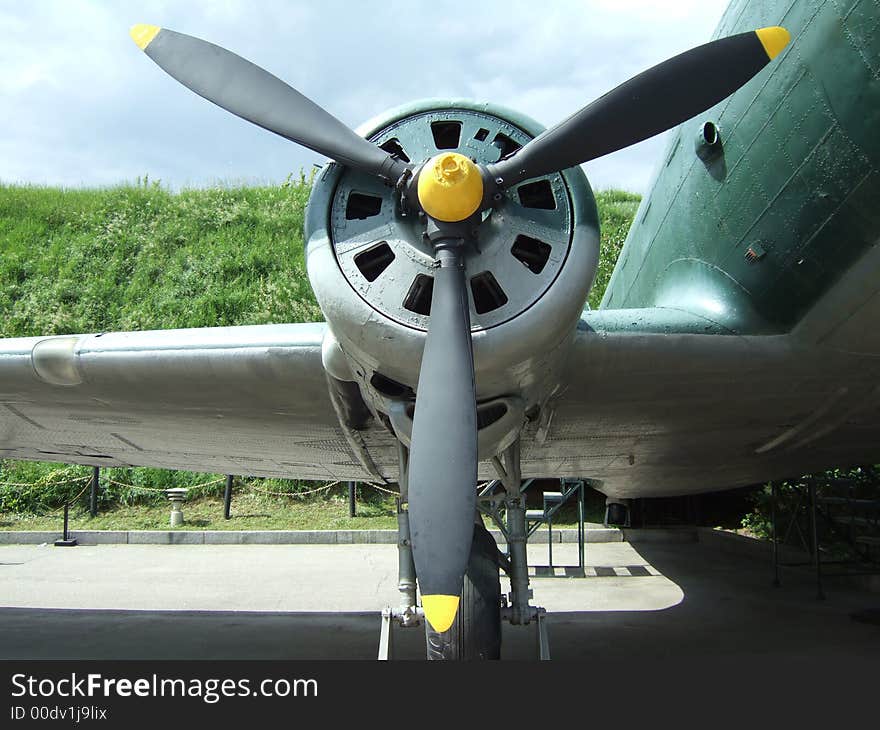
<point x="136" y="257"/>
<point x="617" y="208"/>
<point x="141" y="257"/>
<point x="250" y="511"/>
<point x="253" y="511"/>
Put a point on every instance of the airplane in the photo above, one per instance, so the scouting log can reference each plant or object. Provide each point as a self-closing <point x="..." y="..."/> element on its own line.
<point x="451" y="246"/>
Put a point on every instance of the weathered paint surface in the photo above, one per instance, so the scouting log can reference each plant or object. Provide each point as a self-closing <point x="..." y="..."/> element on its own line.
<point x="753" y="238"/>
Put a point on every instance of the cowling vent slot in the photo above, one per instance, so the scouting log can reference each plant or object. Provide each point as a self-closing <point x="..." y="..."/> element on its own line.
<point x="538" y="194"/>
<point x="487" y="292"/>
<point x="361" y="206"/>
<point x="447" y="135"/>
<point x="418" y="298"/>
<point x="372" y="262"/>
<point x="531" y="252"/>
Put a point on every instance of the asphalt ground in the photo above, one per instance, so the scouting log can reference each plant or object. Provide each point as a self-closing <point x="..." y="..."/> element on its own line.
<point x="651" y="600"/>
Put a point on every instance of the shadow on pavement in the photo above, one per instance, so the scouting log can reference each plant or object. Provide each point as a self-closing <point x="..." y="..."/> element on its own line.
<point x="729" y="609"/>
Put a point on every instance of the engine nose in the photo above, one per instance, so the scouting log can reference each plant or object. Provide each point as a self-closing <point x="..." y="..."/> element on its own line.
<point x="528" y="267"/>
<point x="519" y="250"/>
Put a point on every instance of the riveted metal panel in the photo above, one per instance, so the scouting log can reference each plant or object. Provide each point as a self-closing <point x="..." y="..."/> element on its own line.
<point x="799" y="169"/>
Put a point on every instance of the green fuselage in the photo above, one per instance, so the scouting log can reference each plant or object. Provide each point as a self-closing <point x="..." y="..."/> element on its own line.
<point x="748" y="240"/>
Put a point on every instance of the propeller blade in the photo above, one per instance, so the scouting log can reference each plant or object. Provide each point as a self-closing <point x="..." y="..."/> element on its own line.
<point x="251" y="93"/>
<point x="652" y="102"/>
<point x="443" y="452"/>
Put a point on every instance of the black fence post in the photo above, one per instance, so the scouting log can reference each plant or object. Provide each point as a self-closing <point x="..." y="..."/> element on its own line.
<point x="774" y="528"/>
<point x="227" y="497"/>
<point x="93" y="496"/>
<point x="352" y="504"/>
<point x="814" y="529"/>
<point x="66" y="540"/>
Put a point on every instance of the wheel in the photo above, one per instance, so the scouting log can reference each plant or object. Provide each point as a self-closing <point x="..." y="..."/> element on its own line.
<point x="476" y="632"/>
<point x="617" y="514"/>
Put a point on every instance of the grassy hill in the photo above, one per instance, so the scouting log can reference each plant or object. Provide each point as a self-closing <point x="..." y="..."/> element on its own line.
<point x="139" y="257"/>
<point x="617" y="208"/>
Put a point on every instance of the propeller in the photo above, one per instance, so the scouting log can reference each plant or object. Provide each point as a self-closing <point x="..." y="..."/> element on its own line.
<point x="249" y="92"/>
<point x="443" y="448"/>
<point x="450" y="190"/>
<point x="443" y="452"/>
<point x="648" y="104"/>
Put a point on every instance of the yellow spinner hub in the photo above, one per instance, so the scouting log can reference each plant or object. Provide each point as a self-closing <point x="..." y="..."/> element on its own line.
<point x="450" y="187"/>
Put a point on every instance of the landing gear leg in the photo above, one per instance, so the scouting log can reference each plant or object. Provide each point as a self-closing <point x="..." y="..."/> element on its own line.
<point x="408" y="614"/>
<point x="516" y="607"/>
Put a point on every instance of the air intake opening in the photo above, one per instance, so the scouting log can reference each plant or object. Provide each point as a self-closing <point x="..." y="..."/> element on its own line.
<point x="487" y="415"/>
<point x="374" y="261"/>
<point x="481" y="135"/>
<point x="531" y="252"/>
<point x="487" y="292"/>
<point x="395" y="149"/>
<point x="710" y="133"/>
<point x="537" y="194"/>
<point x="708" y="142"/>
<point x="361" y="206"/>
<point x="505" y="144"/>
<point x="391" y="388"/>
<point x="447" y="135"/>
<point x="418" y="298"/>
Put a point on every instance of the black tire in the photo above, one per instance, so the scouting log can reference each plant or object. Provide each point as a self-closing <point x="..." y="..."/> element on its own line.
<point x="617" y="514"/>
<point x="476" y="632"/>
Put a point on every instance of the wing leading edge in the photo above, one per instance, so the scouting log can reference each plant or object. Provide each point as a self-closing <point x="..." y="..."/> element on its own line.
<point x="657" y="405"/>
<point x="241" y="400"/>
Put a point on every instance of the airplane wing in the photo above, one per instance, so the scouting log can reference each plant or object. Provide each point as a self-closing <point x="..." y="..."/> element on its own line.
<point x="644" y="411"/>
<point x="652" y="413"/>
<point x="238" y="400"/>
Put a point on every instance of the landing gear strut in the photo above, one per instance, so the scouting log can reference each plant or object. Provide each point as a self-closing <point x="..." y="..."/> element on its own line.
<point x="516" y="607"/>
<point x="476" y="632"/>
<point x="409" y="613"/>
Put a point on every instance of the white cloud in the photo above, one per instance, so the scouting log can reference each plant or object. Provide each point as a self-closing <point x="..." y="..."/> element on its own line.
<point x="80" y="105"/>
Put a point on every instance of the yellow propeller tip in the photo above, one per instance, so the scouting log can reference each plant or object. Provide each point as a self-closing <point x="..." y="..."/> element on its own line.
<point x="774" y="39"/>
<point x="440" y="611"/>
<point x="143" y="35"/>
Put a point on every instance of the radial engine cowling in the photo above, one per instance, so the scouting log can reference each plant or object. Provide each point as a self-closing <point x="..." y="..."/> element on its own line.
<point x="529" y="274"/>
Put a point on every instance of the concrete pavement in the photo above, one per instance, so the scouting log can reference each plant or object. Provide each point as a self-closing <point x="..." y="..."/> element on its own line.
<point x="316" y="601"/>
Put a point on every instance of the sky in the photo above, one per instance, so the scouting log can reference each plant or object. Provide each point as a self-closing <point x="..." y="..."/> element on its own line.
<point x="80" y="105"/>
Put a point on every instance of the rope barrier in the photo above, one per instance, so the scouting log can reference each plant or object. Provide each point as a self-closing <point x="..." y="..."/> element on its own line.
<point x="160" y="489"/>
<point x="70" y="501"/>
<point x="325" y="488"/>
<point x="107" y="480"/>
<point x="250" y="487"/>
<point x="380" y="489"/>
<point x="36" y="484"/>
